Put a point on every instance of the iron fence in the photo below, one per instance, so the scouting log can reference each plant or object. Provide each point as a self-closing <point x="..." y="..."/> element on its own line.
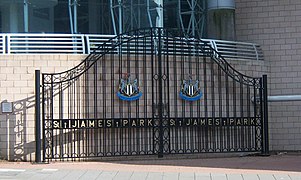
<point x="150" y="92"/>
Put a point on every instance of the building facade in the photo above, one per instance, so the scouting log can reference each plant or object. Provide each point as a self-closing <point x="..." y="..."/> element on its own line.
<point x="273" y="24"/>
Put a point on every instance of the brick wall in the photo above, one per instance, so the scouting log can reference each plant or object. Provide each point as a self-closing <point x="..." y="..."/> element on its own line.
<point x="275" y="25"/>
<point x="17" y="131"/>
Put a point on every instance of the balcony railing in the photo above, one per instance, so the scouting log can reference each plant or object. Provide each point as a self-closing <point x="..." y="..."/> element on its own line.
<point x="34" y="43"/>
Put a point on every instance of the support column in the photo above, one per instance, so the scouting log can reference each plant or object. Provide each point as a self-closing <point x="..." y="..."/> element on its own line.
<point x="75" y="16"/>
<point x="26" y="4"/>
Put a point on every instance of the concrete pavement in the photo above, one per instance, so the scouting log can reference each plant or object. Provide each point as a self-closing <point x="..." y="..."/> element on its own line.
<point x="285" y="167"/>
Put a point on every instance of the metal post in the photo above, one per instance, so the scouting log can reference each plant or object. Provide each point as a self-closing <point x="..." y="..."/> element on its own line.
<point x="113" y="17"/>
<point x="193" y="20"/>
<point x="120" y="20"/>
<point x="37" y="116"/>
<point x="265" y="148"/>
<point x="159" y="9"/>
<point x="70" y="17"/>
<point x="26" y="16"/>
<point x="75" y="16"/>
<point x="160" y="103"/>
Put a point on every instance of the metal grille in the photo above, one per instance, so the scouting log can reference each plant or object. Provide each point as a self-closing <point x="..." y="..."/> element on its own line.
<point x="84" y="116"/>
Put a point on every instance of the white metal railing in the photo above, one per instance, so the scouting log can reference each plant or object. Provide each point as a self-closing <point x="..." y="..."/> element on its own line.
<point x="45" y="43"/>
<point x="33" y="43"/>
<point x="93" y="41"/>
<point x="236" y="50"/>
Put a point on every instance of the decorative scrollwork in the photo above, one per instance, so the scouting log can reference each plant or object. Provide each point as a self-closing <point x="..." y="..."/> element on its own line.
<point x="200" y="47"/>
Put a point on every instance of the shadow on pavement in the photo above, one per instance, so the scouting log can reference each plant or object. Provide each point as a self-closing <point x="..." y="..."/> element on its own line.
<point x="273" y="163"/>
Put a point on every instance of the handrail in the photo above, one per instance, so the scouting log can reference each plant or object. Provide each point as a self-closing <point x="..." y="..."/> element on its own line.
<point x="32" y="43"/>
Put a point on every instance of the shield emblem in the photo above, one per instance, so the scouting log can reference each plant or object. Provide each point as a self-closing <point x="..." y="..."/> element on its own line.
<point x="190" y="90"/>
<point x="129" y="89"/>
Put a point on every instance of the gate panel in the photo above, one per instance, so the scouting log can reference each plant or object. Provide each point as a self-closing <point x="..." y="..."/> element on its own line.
<point x="85" y="117"/>
<point x="151" y="92"/>
<point x="224" y="119"/>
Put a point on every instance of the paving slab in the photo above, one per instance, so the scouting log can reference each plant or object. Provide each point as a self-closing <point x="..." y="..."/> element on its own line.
<point x="250" y="177"/>
<point x="73" y="175"/>
<point x="108" y="175"/>
<point x="266" y="177"/>
<point x="26" y="174"/>
<point x="154" y="175"/>
<point x="218" y="176"/>
<point x="171" y="175"/>
<point x="235" y="176"/>
<point x="186" y="176"/>
<point x="60" y="174"/>
<point x="90" y="174"/>
<point x="40" y="174"/>
<point x="202" y="176"/>
<point x="295" y="177"/>
<point x="123" y="175"/>
<point x="139" y="176"/>
<point x="282" y="176"/>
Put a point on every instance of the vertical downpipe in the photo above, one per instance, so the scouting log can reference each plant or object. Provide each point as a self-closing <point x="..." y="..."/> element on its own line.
<point x="37" y="116"/>
<point x="265" y="147"/>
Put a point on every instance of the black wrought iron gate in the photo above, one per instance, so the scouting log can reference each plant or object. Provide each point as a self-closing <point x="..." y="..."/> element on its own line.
<point x="152" y="92"/>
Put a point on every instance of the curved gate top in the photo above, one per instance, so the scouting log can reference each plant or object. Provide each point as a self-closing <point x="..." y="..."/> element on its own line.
<point x="152" y="92"/>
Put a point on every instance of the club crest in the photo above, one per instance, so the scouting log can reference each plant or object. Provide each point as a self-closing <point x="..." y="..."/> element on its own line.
<point x="129" y="89"/>
<point x="190" y="90"/>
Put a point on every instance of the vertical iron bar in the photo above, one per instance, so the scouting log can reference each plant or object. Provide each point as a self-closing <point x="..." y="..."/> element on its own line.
<point x="219" y="133"/>
<point x="114" y="144"/>
<point x="128" y="67"/>
<point x="241" y="100"/>
<point x="153" y="88"/>
<point x="260" y="125"/>
<point x="60" y="110"/>
<point x="43" y="117"/>
<point x="213" y="132"/>
<point x="106" y="139"/>
<point x="122" y="131"/>
<point x="138" y="130"/>
<point x="228" y="131"/>
<point x="175" y="145"/>
<point x="160" y="103"/>
<point x="265" y="134"/>
<point x="95" y="87"/>
<point x="38" y="116"/>
<point x="145" y="114"/>
<point x="168" y="89"/>
<point x="234" y="129"/>
<point x="248" y="143"/>
<point x="53" y="144"/>
<point x="206" y="132"/>
<point x="255" y="114"/>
